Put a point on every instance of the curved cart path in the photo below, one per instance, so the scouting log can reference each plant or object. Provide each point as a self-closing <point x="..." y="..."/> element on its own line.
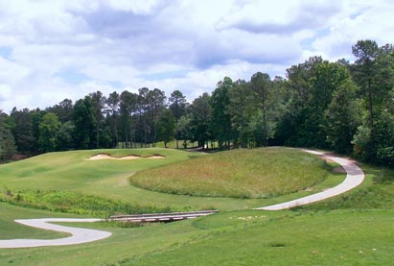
<point x="355" y="176"/>
<point x="78" y="235"/>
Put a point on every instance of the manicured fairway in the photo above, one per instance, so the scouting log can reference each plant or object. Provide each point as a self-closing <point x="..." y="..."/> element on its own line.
<point x="336" y="238"/>
<point x="233" y="238"/>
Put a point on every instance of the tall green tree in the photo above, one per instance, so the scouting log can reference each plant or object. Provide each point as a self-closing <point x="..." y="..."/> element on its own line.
<point x="242" y="110"/>
<point x="98" y="103"/>
<point x="7" y="143"/>
<point x="373" y="72"/>
<point x="221" y="119"/>
<point x="299" y="76"/>
<point x="128" y="116"/>
<point x="178" y="105"/>
<point x="84" y="120"/>
<point x="343" y="117"/>
<point x="156" y="104"/>
<point x="166" y="126"/>
<point x="63" y="110"/>
<point x="22" y="130"/>
<point x="262" y="86"/>
<point x="184" y="126"/>
<point x="143" y="106"/>
<point x="201" y="113"/>
<point x="65" y="136"/>
<point x="113" y="110"/>
<point x="327" y="78"/>
<point x="49" y="127"/>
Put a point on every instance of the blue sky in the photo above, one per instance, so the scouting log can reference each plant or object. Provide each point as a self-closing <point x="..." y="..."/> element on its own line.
<point x="52" y="50"/>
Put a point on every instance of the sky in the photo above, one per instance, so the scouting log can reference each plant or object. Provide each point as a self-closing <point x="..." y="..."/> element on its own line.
<point x="51" y="50"/>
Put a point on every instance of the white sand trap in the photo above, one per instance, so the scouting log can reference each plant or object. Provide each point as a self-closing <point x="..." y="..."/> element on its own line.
<point x="129" y="157"/>
<point x="155" y="157"/>
<point x="100" y="157"/>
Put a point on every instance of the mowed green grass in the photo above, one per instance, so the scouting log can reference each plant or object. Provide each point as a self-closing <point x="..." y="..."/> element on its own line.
<point x="257" y="173"/>
<point x="55" y="175"/>
<point x="335" y="238"/>
<point x="11" y="230"/>
<point x="341" y="237"/>
<point x="349" y="230"/>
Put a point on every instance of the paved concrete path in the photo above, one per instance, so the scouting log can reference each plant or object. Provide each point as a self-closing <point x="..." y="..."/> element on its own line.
<point x="355" y="176"/>
<point x="78" y="235"/>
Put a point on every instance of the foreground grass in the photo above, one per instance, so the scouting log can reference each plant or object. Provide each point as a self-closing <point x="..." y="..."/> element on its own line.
<point x="335" y="238"/>
<point x="342" y="237"/>
<point x="11" y="230"/>
<point x="258" y="173"/>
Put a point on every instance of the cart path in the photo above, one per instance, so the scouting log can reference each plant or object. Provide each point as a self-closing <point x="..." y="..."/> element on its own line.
<point x="355" y="176"/>
<point x="78" y="235"/>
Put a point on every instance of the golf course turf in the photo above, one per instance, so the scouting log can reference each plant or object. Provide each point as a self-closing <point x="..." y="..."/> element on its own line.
<point x="308" y="236"/>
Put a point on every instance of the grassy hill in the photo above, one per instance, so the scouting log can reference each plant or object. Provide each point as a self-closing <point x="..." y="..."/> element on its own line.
<point x="351" y="229"/>
<point x="70" y="182"/>
<point x="258" y="173"/>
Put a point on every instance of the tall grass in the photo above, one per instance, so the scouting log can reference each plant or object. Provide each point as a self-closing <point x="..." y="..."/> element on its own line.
<point x="77" y="203"/>
<point x="259" y="173"/>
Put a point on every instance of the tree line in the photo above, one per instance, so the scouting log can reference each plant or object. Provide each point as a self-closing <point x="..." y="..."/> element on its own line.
<point x="342" y="106"/>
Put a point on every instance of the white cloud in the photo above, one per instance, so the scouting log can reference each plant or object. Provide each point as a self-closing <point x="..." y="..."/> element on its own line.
<point x="185" y="44"/>
<point x="5" y="92"/>
<point x="362" y="21"/>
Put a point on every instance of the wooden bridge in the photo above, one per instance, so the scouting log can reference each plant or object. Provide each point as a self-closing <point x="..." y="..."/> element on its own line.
<point x="161" y="217"/>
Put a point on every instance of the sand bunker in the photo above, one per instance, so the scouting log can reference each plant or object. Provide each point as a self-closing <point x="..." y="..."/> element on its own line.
<point x="129" y="157"/>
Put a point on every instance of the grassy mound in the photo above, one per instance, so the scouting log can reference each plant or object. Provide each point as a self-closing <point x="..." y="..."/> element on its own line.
<point x="259" y="173"/>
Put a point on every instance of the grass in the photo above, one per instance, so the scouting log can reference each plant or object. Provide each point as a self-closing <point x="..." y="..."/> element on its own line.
<point x="10" y="229"/>
<point x="77" y="203"/>
<point x="335" y="238"/>
<point x="341" y="237"/>
<point x="376" y="193"/>
<point x="258" y="173"/>
<point x="354" y="229"/>
<point x="70" y="173"/>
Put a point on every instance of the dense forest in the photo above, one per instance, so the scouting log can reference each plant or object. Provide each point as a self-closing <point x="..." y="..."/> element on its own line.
<point x="341" y="106"/>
